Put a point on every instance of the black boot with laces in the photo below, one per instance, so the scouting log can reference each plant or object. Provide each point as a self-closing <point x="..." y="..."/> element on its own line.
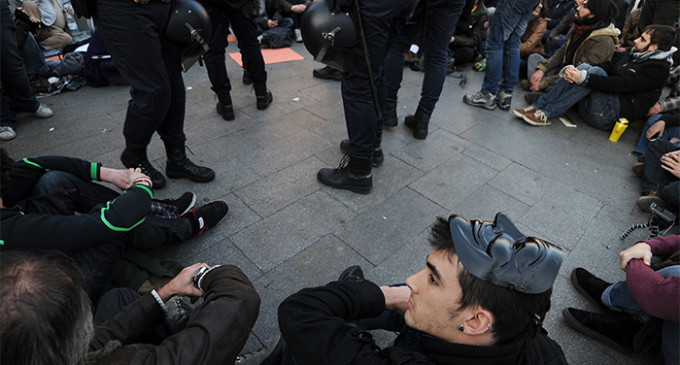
<point x="353" y="174"/>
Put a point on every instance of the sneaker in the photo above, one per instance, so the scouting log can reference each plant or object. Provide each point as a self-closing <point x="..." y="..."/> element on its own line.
<point x="520" y="113"/>
<point x="298" y="35"/>
<point x="43" y="111"/>
<point x="615" y="329"/>
<point x="639" y="168"/>
<point x="328" y="73"/>
<point x="481" y="99"/>
<point x="259" y="356"/>
<point x="589" y="285"/>
<point x="352" y="273"/>
<point x="208" y="216"/>
<point x="183" y="204"/>
<point x="7" y="133"/>
<point x="503" y="100"/>
<point x="646" y="201"/>
<point x="537" y="118"/>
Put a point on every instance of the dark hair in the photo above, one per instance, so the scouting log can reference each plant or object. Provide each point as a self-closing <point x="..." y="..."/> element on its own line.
<point x="45" y="316"/>
<point x="661" y="35"/>
<point x="604" y="10"/>
<point x="516" y="314"/>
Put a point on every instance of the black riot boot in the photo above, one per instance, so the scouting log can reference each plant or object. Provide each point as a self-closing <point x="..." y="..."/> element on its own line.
<point x="136" y="157"/>
<point x="378" y="156"/>
<point x="179" y="165"/>
<point x="390" y="119"/>
<point x="224" y="106"/>
<point x="353" y="174"/>
<point x="264" y="96"/>
<point x="418" y="122"/>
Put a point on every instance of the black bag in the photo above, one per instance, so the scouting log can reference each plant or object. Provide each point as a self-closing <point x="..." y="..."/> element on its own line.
<point x="276" y="38"/>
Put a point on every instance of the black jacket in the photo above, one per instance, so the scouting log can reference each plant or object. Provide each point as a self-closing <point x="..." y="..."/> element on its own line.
<point x="313" y="324"/>
<point x="638" y="84"/>
<point x="214" y="336"/>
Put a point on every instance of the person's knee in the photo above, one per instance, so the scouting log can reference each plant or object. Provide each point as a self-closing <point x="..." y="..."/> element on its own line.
<point x="53" y="181"/>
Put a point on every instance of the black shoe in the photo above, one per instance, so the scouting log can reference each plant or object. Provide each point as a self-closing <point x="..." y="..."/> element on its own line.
<point x="589" y="285"/>
<point x="179" y="165"/>
<point x="390" y="119"/>
<point x="377" y="158"/>
<point x="208" y="216"/>
<point x="183" y="204"/>
<point x="225" y="108"/>
<point x="264" y="96"/>
<point x="133" y="158"/>
<point x="246" y="78"/>
<point x="419" y="122"/>
<point x="328" y="73"/>
<point x="615" y="329"/>
<point x="352" y="273"/>
<point x="353" y="174"/>
<point x="532" y="97"/>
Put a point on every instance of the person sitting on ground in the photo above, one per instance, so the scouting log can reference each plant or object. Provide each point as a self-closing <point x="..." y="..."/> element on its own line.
<point x="270" y="17"/>
<point x="99" y="66"/>
<point x="635" y="306"/>
<point x="532" y="39"/>
<point x="591" y="41"/>
<point x="44" y="307"/>
<point x="470" y="32"/>
<point x="626" y="89"/>
<point x="664" y="116"/>
<point x="40" y="198"/>
<point x="661" y="176"/>
<point x="629" y="32"/>
<point x="51" y="34"/>
<point x="556" y="10"/>
<point x="294" y="10"/>
<point x="481" y="299"/>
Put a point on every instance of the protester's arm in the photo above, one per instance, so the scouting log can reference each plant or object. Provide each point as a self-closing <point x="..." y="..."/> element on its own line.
<point x="535" y="37"/>
<point x="313" y="323"/>
<point x="214" y="336"/>
<point x="645" y="78"/>
<point x="43" y="231"/>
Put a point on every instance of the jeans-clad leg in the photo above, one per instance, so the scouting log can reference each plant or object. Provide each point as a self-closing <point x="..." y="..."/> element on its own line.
<point x="563" y="95"/>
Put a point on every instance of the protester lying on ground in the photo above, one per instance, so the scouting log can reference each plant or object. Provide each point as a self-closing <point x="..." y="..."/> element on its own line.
<point x="44" y="307"/>
<point x="52" y="202"/>
<point x="481" y="299"/>
<point x="645" y="306"/>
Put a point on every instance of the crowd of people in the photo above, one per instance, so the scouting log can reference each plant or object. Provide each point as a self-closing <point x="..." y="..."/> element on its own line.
<point x="486" y="287"/>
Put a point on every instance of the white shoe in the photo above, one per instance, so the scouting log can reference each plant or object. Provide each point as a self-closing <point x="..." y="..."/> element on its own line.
<point x="7" y="133"/>
<point x="298" y="35"/>
<point x="43" y="111"/>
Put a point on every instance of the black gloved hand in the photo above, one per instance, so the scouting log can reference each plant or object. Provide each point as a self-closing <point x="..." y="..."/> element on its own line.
<point x="341" y="6"/>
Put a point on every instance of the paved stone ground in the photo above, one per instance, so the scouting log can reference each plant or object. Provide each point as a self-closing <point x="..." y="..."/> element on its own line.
<point x="570" y="186"/>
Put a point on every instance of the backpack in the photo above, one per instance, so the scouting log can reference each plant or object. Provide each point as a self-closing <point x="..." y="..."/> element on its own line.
<point x="276" y="38"/>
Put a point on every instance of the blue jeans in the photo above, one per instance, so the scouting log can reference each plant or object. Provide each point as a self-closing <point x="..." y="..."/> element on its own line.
<point x="618" y="297"/>
<point x="442" y="17"/>
<point x="17" y="91"/>
<point x="668" y="134"/>
<point x="598" y="109"/>
<point x="502" y="44"/>
<point x="35" y="61"/>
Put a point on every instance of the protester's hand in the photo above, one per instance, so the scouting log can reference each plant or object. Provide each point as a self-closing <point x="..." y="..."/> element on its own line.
<point x="340" y="6"/>
<point x="655" y="109"/>
<point x="656" y="129"/>
<point x="572" y="74"/>
<point x="640" y="250"/>
<point x="272" y="23"/>
<point x="453" y="39"/>
<point x="396" y="297"/>
<point x="124" y="179"/>
<point x="136" y="176"/>
<point x="299" y="8"/>
<point x="618" y="48"/>
<point x="69" y="10"/>
<point x="535" y="80"/>
<point x="182" y="284"/>
<point x="671" y="163"/>
<point x="144" y="2"/>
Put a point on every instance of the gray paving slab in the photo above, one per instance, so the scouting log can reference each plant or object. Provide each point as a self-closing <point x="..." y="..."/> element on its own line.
<point x="568" y="185"/>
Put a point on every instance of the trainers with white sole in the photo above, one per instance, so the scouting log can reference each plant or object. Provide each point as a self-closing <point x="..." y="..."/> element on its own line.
<point x="481" y="99"/>
<point x="43" y="111"/>
<point x="7" y="133"/>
